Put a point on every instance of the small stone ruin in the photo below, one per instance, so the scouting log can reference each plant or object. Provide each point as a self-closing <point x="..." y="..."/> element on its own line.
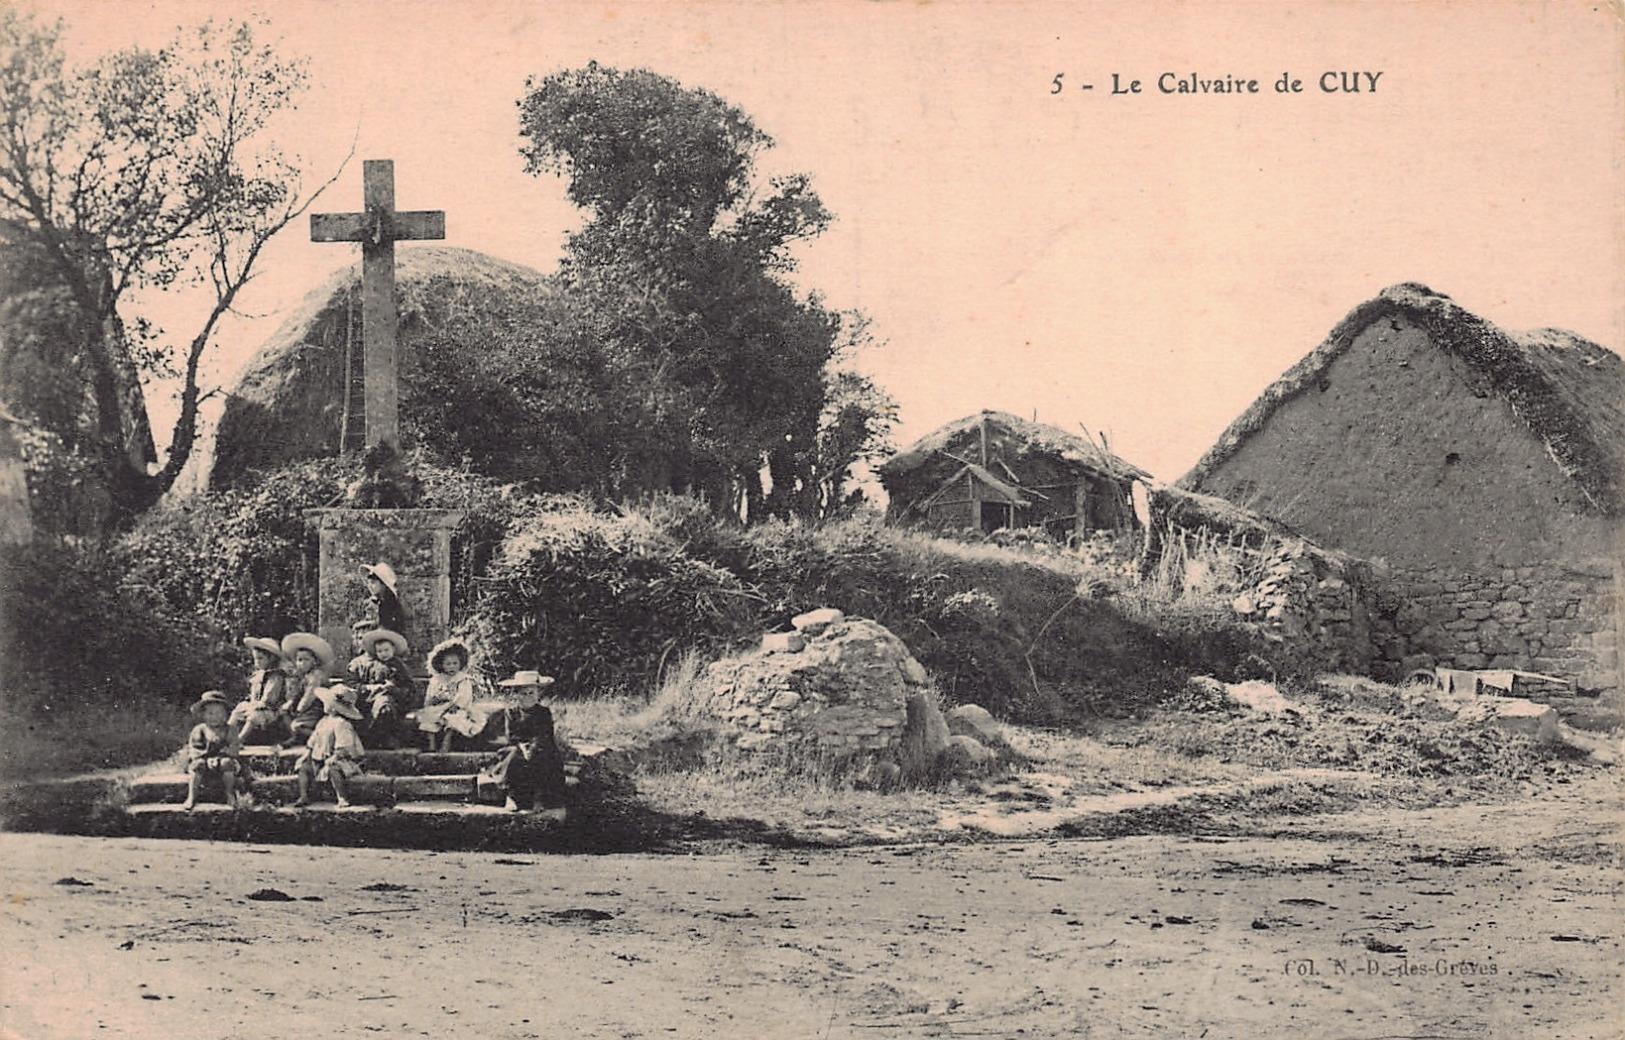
<point x="848" y="688"/>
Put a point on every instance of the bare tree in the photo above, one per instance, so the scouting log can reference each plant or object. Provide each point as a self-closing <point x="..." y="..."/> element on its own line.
<point x="143" y="170"/>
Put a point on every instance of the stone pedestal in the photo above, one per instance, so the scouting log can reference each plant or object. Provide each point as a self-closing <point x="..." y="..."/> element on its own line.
<point x="416" y="542"/>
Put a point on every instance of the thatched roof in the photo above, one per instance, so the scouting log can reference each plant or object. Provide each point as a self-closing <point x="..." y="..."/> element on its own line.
<point x="1008" y="492"/>
<point x="289" y="402"/>
<point x="1036" y="437"/>
<point x="1178" y="508"/>
<point x="1568" y="391"/>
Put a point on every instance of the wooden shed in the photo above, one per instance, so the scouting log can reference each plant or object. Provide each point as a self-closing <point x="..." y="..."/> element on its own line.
<point x="993" y="470"/>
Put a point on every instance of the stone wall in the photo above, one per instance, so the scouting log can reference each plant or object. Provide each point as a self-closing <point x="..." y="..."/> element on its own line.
<point x="1558" y="620"/>
<point x="1314" y="607"/>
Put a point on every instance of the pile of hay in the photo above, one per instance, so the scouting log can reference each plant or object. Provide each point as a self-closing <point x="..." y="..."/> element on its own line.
<point x="290" y="401"/>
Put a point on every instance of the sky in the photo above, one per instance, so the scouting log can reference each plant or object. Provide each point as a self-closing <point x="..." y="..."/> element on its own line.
<point x="1139" y="264"/>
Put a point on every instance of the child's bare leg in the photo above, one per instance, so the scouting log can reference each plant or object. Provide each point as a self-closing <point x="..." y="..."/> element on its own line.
<point x="194" y="780"/>
<point x="304" y="788"/>
<point x="341" y="788"/>
<point x="230" y="783"/>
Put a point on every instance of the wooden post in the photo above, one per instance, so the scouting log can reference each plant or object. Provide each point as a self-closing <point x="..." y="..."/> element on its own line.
<point x="378" y="228"/>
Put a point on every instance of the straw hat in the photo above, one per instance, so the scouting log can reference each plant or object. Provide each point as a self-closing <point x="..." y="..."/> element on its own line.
<point x="377" y="635"/>
<point x="270" y="646"/>
<point x="447" y="646"/>
<point x="530" y="678"/>
<point x="212" y="697"/>
<point x="384" y="573"/>
<point x="339" y="700"/>
<point x="297" y="641"/>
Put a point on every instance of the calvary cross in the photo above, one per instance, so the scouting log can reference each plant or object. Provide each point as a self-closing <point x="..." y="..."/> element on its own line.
<point x="378" y="229"/>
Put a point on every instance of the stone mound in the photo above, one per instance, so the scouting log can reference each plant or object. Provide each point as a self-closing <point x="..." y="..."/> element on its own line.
<point x="842" y="687"/>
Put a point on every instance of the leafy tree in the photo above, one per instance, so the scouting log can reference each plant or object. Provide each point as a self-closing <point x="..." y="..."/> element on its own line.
<point x="854" y="427"/>
<point x="681" y="266"/>
<point x="143" y="170"/>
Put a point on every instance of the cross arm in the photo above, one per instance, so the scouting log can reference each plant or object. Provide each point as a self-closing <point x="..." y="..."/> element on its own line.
<point x="375" y="227"/>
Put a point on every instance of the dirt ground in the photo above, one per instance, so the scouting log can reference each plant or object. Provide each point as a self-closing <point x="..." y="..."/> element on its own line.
<point x="1469" y="921"/>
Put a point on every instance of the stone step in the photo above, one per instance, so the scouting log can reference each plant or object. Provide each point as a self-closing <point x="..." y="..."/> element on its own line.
<point x="370" y="789"/>
<point x="158" y="809"/>
<point x="267" y="760"/>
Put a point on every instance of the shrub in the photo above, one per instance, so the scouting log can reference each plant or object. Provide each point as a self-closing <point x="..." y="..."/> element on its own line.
<point x="245" y="560"/>
<point x="600" y="600"/>
<point x="94" y="676"/>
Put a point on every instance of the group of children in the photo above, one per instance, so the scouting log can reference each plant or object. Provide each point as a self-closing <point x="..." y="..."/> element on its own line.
<point x="292" y="702"/>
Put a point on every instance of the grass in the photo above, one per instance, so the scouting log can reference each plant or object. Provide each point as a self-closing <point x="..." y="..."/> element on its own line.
<point x="88" y="737"/>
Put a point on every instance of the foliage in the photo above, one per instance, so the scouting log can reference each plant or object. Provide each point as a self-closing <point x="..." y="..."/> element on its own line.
<point x="75" y="636"/>
<point x="142" y="170"/>
<point x="600" y="600"/>
<point x="609" y="601"/>
<point x="244" y="560"/>
<point x="679" y="271"/>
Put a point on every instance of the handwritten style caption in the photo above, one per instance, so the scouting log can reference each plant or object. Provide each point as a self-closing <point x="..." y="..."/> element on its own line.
<point x="1178" y="83"/>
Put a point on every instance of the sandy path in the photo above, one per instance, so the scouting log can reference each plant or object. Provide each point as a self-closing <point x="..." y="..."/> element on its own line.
<point x="1147" y="936"/>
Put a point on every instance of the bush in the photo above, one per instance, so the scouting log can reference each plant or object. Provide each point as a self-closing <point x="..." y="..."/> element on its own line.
<point x="245" y="560"/>
<point x="602" y="600"/>
<point x="85" y="660"/>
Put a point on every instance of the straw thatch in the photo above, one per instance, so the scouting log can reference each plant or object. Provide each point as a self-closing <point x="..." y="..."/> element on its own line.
<point x="1178" y="509"/>
<point x="1037" y="438"/>
<point x="289" y="403"/>
<point x="1568" y="391"/>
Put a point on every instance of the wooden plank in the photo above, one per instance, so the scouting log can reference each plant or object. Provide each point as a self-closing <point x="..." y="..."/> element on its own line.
<point x="409" y="225"/>
<point x="378" y="328"/>
<point x="337" y="227"/>
<point x="416" y="224"/>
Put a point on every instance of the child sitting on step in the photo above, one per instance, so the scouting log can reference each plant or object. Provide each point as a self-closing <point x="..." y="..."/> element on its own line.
<point x="263" y="717"/>
<point x="450" y="702"/>
<point x="333" y="752"/>
<point x="386" y="687"/>
<point x="530" y="770"/>
<point x="312" y="658"/>
<point x="211" y="749"/>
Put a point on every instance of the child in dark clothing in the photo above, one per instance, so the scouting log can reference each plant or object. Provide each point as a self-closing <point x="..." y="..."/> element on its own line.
<point x="212" y="749"/>
<point x="531" y="769"/>
<point x="385" y="686"/>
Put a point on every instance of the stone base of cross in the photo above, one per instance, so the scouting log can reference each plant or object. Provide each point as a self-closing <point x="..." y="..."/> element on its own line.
<point x="378" y="228"/>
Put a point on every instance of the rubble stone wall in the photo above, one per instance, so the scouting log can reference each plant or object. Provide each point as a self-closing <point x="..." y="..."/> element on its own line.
<point x="845" y="689"/>
<point x="1557" y="620"/>
<point x="1315" y="608"/>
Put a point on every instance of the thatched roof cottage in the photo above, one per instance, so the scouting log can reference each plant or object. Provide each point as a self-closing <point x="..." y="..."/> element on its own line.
<point x="994" y="470"/>
<point x="1483" y="467"/>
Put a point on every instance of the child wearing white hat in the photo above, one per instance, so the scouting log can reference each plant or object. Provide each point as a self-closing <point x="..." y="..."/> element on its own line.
<point x="333" y="752"/>
<point x="263" y="717"/>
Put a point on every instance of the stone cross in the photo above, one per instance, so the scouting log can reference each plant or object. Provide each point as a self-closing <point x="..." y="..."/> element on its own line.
<point x="378" y="228"/>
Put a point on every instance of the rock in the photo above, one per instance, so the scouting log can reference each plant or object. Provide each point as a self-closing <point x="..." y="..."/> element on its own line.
<point x="815" y="621"/>
<point x="924" y="737"/>
<point x="784" y="642"/>
<point x="1515" y="715"/>
<point x="1242" y="604"/>
<point x="1259" y="696"/>
<point x="976" y="722"/>
<point x="1417" y="663"/>
<point x="1598" y="746"/>
<point x="784" y="701"/>
<point x="965" y="757"/>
